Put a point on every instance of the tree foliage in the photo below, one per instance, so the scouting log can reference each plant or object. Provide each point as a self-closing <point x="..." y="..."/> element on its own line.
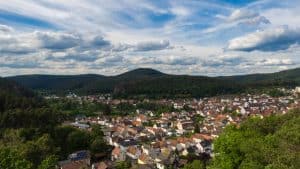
<point x="72" y="108"/>
<point x="123" y="165"/>
<point x="196" y="164"/>
<point x="269" y="143"/>
<point x="141" y="83"/>
<point x="11" y="159"/>
<point x="31" y="134"/>
<point x="48" y="163"/>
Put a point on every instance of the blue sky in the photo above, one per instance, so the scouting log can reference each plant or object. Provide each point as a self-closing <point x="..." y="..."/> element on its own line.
<point x="196" y="37"/>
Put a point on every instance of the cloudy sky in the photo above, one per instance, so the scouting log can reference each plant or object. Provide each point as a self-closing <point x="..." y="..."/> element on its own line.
<point x="196" y="37"/>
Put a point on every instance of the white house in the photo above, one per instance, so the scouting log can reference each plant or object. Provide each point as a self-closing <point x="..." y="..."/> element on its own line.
<point x="297" y="89"/>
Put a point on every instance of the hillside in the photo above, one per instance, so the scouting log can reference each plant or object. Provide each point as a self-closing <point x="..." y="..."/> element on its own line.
<point x="31" y="135"/>
<point x="287" y="77"/>
<point x="176" y="86"/>
<point x="9" y="86"/>
<point x="13" y="95"/>
<point x="149" y="82"/>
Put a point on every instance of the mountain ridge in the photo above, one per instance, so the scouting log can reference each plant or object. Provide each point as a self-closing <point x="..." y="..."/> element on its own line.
<point x="147" y="81"/>
<point x="139" y="70"/>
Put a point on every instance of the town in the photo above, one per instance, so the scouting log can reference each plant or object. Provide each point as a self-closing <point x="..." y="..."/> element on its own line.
<point x="146" y="139"/>
<point x="149" y="84"/>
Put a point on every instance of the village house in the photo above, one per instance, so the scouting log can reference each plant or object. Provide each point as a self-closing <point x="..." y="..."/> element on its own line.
<point x="150" y="141"/>
<point x="76" y="160"/>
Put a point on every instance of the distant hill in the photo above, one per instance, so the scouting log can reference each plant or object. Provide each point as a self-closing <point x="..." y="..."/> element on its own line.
<point x="284" y="78"/>
<point x="83" y="84"/>
<point x="141" y="73"/>
<point x="10" y="86"/>
<point x="150" y="82"/>
<point x="13" y="95"/>
<point x="51" y="82"/>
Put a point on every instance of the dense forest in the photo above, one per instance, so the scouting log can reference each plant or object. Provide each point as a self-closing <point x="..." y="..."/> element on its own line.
<point x="154" y="84"/>
<point x="269" y="143"/>
<point x="31" y="134"/>
<point x="32" y="137"/>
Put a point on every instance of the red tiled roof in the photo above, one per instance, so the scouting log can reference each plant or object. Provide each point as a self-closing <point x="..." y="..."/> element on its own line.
<point x="132" y="150"/>
<point x="143" y="157"/>
<point x="74" y="165"/>
<point x="102" y="165"/>
<point x="116" y="151"/>
<point x="202" y="136"/>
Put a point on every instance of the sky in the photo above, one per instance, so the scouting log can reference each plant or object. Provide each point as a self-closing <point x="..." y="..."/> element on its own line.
<point x="109" y="37"/>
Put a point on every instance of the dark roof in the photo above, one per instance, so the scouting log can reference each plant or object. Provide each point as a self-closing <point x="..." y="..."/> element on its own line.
<point x="126" y="143"/>
<point x="79" y="155"/>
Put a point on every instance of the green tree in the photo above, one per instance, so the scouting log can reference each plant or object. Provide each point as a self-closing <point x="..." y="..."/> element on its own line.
<point x="49" y="163"/>
<point x="96" y="131"/>
<point x="38" y="150"/>
<point x="196" y="164"/>
<point x="99" y="146"/>
<point x="11" y="159"/>
<point x="123" y="165"/>
<point x="78" y="140"/>
<point x="269" y="143"/>
<point x="198" y="118"/>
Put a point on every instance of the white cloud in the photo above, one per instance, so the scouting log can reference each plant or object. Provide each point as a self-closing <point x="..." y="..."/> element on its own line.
<point x="181" y="11"/>
<point x="241" y="14"/>
<point x="14" y="44"/>
<point x="57" y="40"/>
<point x="152" y="45"/>
<point x="273" y="39"/>
<point x="236" y="18"/>
<point x="5" y="28"/>
<point x="284" y="16"/>
<point x="164" y="60"/>
<point x="173" y="36"/>
<point x="177" y="60"/>
<point x="276" y="62"/>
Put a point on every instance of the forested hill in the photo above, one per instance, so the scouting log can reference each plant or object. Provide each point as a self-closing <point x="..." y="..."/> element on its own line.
<point x="31" y="134"/>
<point x="9" y="86"/>
<point x="14" y="96"/>
<point x="135" y="82"/>
<point x="149" y="82"/>
<point x="286" y="77"/>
